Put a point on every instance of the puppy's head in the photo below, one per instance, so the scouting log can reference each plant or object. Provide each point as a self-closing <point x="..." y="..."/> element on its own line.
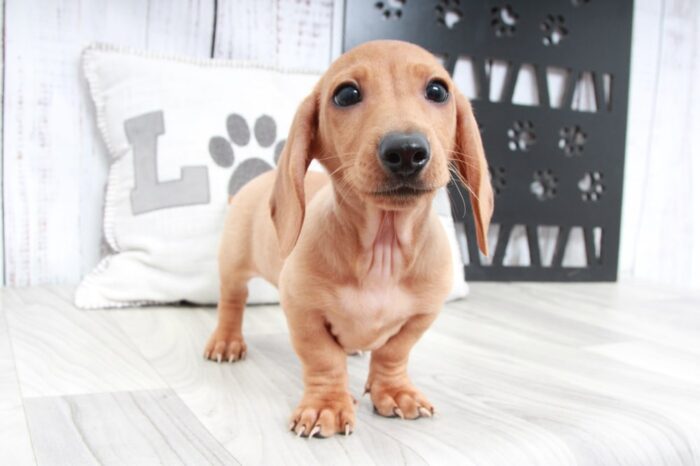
<point x="387" y="122"/>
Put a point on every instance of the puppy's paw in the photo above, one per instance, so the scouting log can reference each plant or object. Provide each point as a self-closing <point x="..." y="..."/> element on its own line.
<point x="399" y="400"/>
<point x="225" y="347"/>
<point x="323" y="415"/>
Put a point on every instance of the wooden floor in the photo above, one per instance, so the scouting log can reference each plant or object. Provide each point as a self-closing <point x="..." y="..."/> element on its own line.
<point x="520" y="374"/>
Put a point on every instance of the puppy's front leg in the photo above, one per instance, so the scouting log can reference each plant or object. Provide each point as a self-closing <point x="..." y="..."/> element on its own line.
<point x="392" y="392"/>
<point x="326" y="407"/>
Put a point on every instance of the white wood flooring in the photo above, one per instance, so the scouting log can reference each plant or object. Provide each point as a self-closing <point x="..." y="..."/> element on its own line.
<point x="521" y="374"/>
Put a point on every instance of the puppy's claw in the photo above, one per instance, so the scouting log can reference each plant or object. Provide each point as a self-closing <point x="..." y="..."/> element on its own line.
<point x="347" y="429"/>
<point x="301" y="431"/>
<point x="314" y="431"/>
<point x="218" y="358"/>
<point x="231" y="359"/>
<point x="292" y="425"/>
<point x="424" y="412"/>
<point x="399" y="413"/>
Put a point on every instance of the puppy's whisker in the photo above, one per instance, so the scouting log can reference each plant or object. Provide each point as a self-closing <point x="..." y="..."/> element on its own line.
<point x="453" y="151"/>
<point x="459" y="191"/>
<point x="464" y="157"/>
<point x="344" y="185"/>
<point x="337" y="170"/>
<point x="466" y="185"/>
<point x="467" y="162"/>
<point x="330" y="156"/>
<point x="341" y="192"/>
<point x="343" y="178"/>
<point x="341" y="171"/>
<point x="459" y="176"/>
<point x="342" y="162"/>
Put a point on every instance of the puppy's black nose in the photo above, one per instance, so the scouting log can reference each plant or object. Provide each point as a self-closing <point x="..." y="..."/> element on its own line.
<point x="404" y="154"/>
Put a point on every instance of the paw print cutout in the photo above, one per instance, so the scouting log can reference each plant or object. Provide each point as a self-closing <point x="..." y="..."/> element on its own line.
<point x="498" y="179"/>
<point x="591" y="186"/>
<point x="221" y="149"/>
<point x="521" y="136"/>
<point x="571" y="140"/>
<point x="544" y="185"/>
<point x="553" y="29"/>
<point x="448" y="13"/>
<point x="391" y="9"/>
<point x="503" y="20"/>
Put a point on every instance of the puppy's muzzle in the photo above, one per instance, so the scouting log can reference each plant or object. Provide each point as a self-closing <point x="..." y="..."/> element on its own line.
<point x="404" y="155"/>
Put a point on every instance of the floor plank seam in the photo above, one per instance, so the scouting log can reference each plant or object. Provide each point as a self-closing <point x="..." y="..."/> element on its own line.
<point x="18" y="384"/>
<point x="111" y="319"/>
<point x="554" y="374"/>
<point x="204" y="427"/>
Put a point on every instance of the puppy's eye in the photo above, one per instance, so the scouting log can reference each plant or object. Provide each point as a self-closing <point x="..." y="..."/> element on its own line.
<point x="436" y="91"/>
<point x="346" y="95"/>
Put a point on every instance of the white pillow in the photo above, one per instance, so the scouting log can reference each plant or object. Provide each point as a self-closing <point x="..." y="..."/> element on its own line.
<point x="183" y="135"/>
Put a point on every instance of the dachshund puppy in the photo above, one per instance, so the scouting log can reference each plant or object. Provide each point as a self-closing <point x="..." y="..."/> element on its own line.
<point x="360" y="258"/>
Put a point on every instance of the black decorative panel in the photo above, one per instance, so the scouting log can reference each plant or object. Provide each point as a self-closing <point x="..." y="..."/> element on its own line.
<point x="556" y="164"/>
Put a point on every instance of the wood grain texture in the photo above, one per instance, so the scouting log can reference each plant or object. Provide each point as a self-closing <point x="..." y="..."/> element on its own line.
<point x="247" y="30"/>
<point x="55" y="165"/>
<point x="661" y="210"/>
<point x="2" y="117"/>
<point x="15" y="444"/>
<point x="520" y="374"/>
<point x="527" y="374"/>
<point x="286" y="33"/>
<point x="337" y="28"/>
<point x="145" y="427"/>
<point x="305" y="34"/>
<point x="60" y="350"/>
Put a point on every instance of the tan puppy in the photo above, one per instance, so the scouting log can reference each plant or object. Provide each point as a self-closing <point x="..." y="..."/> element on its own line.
<point x="360" y="258"/>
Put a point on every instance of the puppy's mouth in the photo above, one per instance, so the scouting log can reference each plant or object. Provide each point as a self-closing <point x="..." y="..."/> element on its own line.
<point x="402" y="191"/>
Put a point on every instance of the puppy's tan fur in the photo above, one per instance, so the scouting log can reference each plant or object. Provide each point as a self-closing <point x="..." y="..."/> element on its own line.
<point x="356" y="270"/>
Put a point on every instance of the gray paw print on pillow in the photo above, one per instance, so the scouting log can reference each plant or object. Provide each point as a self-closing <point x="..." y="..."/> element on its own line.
<point x="222" y="153"/>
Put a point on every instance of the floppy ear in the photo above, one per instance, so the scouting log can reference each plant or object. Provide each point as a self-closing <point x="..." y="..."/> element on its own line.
<point x="287" y="204"/>
<point x="472" y="166"/>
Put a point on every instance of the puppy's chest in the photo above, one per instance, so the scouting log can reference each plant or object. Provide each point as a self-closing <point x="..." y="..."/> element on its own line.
<point x="364" y="318"/>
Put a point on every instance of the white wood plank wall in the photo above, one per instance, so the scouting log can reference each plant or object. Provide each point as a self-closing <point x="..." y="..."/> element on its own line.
<point x="661" y="207"/>
<point x="2" y="88"/>
<point x="54" y="164"/>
